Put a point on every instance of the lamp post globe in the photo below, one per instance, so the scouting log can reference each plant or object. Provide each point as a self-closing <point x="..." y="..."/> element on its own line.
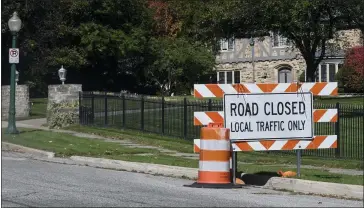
<point x="62" y="74"/>
<point x="14" y="24"/>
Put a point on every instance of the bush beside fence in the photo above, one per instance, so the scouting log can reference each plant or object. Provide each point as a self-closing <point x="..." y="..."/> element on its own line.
<point x="175" y="118"/>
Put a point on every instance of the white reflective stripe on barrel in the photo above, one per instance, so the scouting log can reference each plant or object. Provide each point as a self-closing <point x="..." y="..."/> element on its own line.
<point x="215" y="144"/>
<point x="214" y="166"/>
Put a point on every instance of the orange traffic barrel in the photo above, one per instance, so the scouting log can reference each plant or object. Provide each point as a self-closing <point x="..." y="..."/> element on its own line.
<point x="214" y="164"/>
<point x="214" y="161"/>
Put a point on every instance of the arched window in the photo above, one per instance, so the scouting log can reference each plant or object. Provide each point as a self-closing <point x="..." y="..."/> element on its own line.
<point x="284" y="75"/>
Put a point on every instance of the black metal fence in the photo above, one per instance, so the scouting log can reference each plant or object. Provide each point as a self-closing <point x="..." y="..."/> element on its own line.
<point x="174" y="117"/>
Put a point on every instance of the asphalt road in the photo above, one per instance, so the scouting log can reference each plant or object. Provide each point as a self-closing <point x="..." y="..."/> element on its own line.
<point x="34" y="183"/>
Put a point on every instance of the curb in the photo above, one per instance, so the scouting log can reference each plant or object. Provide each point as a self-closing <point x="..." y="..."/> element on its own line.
<point x="278" y="183"/>
<point x="155" y="169"/>
<point x="316" y="187"/>
<point x="6" y="146"/>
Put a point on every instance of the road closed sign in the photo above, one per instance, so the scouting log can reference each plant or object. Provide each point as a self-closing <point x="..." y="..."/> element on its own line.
<point x="269" y="116"/>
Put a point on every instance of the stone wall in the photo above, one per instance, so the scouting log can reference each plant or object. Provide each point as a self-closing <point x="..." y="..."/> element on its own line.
<point x="349" y="38"/>
<point x="21" y="101"/>
<point x="264" y="68"/>
<point x="63" y="104"/>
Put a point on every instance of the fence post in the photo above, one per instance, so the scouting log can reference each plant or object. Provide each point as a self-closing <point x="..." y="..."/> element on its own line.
<point x="124" y="122"/>
<point x="337" y="130"/>
<point x="79" y="108"/>
<point x="105" y="108"/>
<point x="185" y="118"/>
<point x="142" y="114"/>
<point x="162" y="114"/>
<point x="93" y="108"/>
<point x="209" y="108"/>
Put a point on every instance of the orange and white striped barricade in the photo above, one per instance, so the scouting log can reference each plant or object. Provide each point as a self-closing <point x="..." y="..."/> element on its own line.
<point x="214" y="162"/>
<point x="275" y="143"/>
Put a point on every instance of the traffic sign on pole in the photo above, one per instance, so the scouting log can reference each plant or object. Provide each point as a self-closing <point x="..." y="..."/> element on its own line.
<point x="269" y="116"/>
<point x="13" y="55"/>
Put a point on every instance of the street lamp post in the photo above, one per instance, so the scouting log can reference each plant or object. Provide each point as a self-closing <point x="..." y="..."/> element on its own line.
<point x="14" y="24"/>
<point x="252" y="43"/>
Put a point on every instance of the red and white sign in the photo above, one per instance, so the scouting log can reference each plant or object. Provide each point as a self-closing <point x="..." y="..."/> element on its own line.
<point x="13" y="55"/>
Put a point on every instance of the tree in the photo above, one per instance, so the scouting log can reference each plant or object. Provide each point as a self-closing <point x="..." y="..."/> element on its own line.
<point x="351" y="76"/>
<point x="41" y="20"/>
<point x="106" y="45"/>
<point x="308" y="24"/>
<point x="178" y="61"/>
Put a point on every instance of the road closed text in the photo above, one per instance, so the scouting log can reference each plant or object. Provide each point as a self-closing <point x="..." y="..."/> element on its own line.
<point x="268" y="116"/>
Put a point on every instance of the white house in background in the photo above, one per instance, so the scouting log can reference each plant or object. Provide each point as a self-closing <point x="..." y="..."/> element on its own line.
<point x="275" y="61"/>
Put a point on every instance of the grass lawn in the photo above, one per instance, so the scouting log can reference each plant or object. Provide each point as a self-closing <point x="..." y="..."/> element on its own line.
<point x="186" y="146"/>
<point x="65" y="145"/>
<point x="175" y="144"/>
<point x="350" y="140"/>
<point x="341" y="100"/>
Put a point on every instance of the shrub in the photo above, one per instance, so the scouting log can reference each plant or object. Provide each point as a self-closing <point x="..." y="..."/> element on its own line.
<point x="349" y="80"/>
<point x="63" y="114"/>
<point x="351" y="76"/>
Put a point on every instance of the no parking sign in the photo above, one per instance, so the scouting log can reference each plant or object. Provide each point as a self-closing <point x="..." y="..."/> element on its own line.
<point x="13" y="55"/>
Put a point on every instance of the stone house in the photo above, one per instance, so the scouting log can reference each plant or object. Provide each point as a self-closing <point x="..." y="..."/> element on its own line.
<point x="271" y="60"/>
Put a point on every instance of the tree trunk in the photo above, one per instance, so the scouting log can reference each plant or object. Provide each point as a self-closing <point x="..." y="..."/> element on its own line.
<point x="311" y="66"/>
<point x="310" y="70"/>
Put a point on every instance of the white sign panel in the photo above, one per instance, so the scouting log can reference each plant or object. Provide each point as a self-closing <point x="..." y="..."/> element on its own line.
<point x="13" y="55"/>
<point x="269" y="116"/>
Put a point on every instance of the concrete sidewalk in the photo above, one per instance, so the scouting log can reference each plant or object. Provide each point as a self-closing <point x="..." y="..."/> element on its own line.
<point x="37" y="124"/>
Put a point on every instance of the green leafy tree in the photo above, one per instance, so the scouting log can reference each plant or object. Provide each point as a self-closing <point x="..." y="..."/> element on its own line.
<point x="177" y="63"/>
<point x="37" y="38"/>
<point x="308" y="24"/>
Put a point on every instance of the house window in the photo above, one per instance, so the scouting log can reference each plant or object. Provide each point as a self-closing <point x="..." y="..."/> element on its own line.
<point x="227" y="44"/>
<point x="332" y="72"/>
<point x="284" y="75"/>
<point x="228" y="77"/>
<point x="236" y="76"/>
<point x="221" y="77"/>
<point x="323" y="73"/>
<point x="326" y="72"/>
<point x="278" y="40"/>
<point x="340" y="66"/>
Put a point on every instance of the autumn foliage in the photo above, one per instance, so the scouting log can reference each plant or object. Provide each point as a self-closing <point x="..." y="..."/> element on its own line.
<point x="355" y="59"/>
<point x="351" y="76"/>
<point x="167" y="23"/>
